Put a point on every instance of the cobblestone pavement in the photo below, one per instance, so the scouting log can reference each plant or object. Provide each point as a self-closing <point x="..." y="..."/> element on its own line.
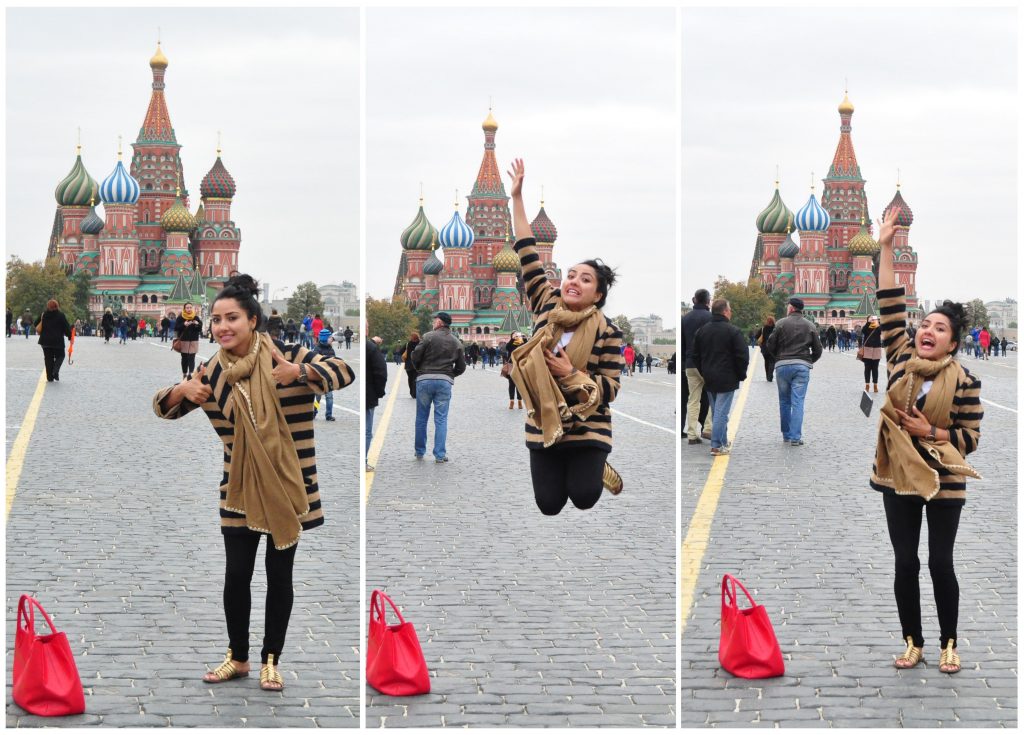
<point x="114" y="529"/>
<point x="804" y="531"/>
<point x="525" y="619"/>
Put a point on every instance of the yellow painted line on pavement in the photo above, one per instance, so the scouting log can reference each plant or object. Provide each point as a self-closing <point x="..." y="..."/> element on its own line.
<point x="378" y="436"/>
<point x="16" y="459"/>
<point x="699" y="530"/>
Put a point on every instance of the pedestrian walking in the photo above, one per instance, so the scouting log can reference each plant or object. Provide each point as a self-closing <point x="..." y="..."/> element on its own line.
<point x="517" y="340"/>
<point x="269" y="485"/>
<point x="275" y="325"/>
<point x="189" y="328"/>
<point x="376" y="387"/>
<point x="410" y="369"/>
<point x="795" y="347"/>
<point x="107" y="324"/>
<point x="930" y="421"/>
<point x="52" y="328"/>
<point x="348" y="337"/>
<point x="10" y="320"/>
<point x="1002" y="343"/>
<point x="721" y="355"/>
<point x="985" y="341"/>
<point x="439" y="359"/>
<point x="26" y="323"/>
<point x="568" y="373"/>
<point x="697" y="404"/>
<point x="871" y="352"/>
<point x="323" y="349"/>
<point x="165" y="326"/>
<point x="763" y="335"/>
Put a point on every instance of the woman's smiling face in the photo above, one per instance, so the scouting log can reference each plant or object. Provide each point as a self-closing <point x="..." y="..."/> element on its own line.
<point x="579" y="287"/>
<point x="232" y="327"/>
<point x="934" y="338"/>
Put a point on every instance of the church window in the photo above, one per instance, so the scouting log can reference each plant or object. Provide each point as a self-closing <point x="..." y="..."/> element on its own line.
<point x="145" y="299"/>
<point x="131" y="299"/>
<point x="834" y="314"/>
<point x="479" y="331"/>
<point x="842" y="313"/>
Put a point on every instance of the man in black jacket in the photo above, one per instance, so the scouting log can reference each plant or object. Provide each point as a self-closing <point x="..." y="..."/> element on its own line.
<point x="438" y="359"/>
<point x="376" y="379"/>
<point x="697" y="400"/>
<point x="795" y="346"/>
<point x="720" y="354"/>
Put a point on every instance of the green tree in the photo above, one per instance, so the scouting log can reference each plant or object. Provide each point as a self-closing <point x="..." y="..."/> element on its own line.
<point x="424" y="320"/>
<point x="306" y="299"/>
<point x="977" y="314"/>
<point x="750" y="304"/>
<point x="1012" y="325"/>
<point x="80" y="301"/>
<point x="31" y="285"/>
<point x="351" y="312"/>
<point x="390" y="320"/>
<point x="622" y="322"/>
<point x="780" y="300"/>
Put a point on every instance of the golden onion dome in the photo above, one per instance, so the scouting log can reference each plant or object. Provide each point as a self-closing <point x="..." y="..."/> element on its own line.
<point x="178" y="218"/>
<point x="490" y="123"/>
<point x="845" y="107"/>
<point x="862" y="243"/>
<point x="506" y="261"/>
<point x="159" y="61"/>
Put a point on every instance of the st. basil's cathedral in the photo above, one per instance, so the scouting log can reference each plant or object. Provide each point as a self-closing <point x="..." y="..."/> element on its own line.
<point x="148" y="253"/>
<point x="477" y="281"/>
<point x="834" y="266"/>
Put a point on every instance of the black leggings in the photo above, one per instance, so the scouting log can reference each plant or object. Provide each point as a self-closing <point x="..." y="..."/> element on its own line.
<point x="240" y="550"/>
<point x="871" y="371"/>
<point x="53" y="358"/>
<point x="769" y="367"/>
<point x="564" y="473"/>
<point x="188" y="363"/>
<point x="513" y="391"/>
<point x="411" y="374"/>
<point x="903" y="516"/>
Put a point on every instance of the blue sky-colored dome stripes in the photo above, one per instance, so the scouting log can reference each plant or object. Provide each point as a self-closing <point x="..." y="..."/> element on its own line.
<point x="119" y="187"/>
<point x="456" y="234"/>
<point x="812" y="217"/>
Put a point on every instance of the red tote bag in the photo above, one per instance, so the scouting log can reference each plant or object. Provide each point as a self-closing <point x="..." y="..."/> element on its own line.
<point x="747" y="646"/>
<point x="46" y="679"/>
<point x="394" y="659"/>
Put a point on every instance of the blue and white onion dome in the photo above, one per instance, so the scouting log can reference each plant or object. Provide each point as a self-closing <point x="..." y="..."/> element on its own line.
<point x="812" y="217"/>
<point x="456" y="234"/>
<point x="119" y="187"/>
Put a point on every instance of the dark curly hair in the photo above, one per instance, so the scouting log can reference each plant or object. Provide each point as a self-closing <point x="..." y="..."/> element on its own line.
<point x="959" y="320"/>
<point x="605" y="278"/>
<point x="243" y="288"/>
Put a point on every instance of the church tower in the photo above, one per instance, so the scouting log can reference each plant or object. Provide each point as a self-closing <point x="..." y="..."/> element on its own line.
<point x="487" y="216"/>
<point x="546" y="233"/>
<point x="773" y="223"/>
<point x="457" y="295"/>
<point x="844" y="199"/>
<point x="416" y="240"/>
<point x="811" y="276"/>
<point x="905" y="259"/>
<point x="119" y="241"/>
<point x="217" y="238"/>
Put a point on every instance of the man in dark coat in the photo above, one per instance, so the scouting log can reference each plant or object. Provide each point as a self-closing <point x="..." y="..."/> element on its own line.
<point x="696" y="400"/>
<point x="376" y="380"/>
<point x="721" y="355"/>
<point x="348" y="337"/>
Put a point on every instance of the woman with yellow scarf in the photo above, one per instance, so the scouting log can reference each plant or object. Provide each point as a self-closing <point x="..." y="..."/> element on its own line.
<point x="930" y="421"/>
<point x="258" y="395"/>
<point x="568" y="373"/>
<point x="188" y="326"/>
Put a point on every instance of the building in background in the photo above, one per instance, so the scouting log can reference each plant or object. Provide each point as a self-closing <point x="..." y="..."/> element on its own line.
<point x="833" y="268"/>
<point x="148" y="253"/>
<point x="1001" y="314"/>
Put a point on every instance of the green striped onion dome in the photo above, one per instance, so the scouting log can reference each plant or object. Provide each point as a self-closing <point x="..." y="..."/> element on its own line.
<point x="775" y="219"/>
<point x="178" y="218"/>
<point x="419" y="234"/>
<point x="78" y="187"/>
<point x="506" y="261"/>
<point x="862" y="243"/>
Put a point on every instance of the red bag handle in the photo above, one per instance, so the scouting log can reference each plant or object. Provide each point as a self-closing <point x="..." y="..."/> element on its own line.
<point x="25" y="612"/>
<point x="729" y="585"/>
<point x="377" y="609"/>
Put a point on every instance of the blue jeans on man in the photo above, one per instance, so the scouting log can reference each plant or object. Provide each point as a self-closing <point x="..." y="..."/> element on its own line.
<point x="369" y="428"/>
<point x="792" y="381"/>
<point x="439" y="394"/>
<point x="721" y="404"/>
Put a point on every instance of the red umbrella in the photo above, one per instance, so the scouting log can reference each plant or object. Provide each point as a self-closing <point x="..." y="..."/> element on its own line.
<point x="71" y="347"/>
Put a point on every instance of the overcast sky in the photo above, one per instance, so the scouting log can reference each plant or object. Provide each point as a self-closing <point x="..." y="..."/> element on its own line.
<point x="586" y="97"/>
<point x="935" y="95"/>
<point x="281" y="84"/>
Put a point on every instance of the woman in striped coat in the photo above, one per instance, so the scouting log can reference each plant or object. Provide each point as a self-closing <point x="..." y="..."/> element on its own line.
<point x="568" y="373"/>
<point x="258" y="396"/>
<point x="929" y="423"/>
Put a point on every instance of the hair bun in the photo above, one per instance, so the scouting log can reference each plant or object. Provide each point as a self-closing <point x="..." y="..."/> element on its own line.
<point x="244" y="282"/>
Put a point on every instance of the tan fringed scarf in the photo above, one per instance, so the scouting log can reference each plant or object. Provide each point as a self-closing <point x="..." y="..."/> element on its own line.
<point x="897" y="462"/>
<point x="545" y="401"/>
<point x="265" y="479"/>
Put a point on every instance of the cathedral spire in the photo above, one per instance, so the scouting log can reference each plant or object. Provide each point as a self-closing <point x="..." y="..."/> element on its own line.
<point x="156" y="128"/>
<point x="488" y="179"/>
<point x="844" y="162"/>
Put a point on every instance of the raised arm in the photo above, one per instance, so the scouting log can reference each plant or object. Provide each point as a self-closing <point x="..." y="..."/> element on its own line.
<point x="886" y="271"/>
<point x="520" y="222"/>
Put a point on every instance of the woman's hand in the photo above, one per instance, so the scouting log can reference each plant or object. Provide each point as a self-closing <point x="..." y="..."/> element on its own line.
<point x="914" y="423"/>
<point x="284" y="372"/>
<point x="195" y="390"/>
<point x="559" y="365"/>
<point x="887" y="228"/>
<point x="517" y="173"/>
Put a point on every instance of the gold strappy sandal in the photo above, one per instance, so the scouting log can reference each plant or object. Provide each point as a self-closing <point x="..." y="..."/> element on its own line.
<point x="949" y="661"/>
<point x="270" y="677"/>
<point x="612" y="480"/>
<point x="912" y="656"/>
<point x="225" y="672"/>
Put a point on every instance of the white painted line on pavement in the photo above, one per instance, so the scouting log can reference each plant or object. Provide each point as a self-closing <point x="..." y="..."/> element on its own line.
<point x="641" y="421"/>
<point x="998" y="405"/>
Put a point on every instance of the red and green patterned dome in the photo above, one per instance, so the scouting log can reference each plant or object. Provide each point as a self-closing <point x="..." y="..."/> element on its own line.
<point x="543" y="228"/>
<point x="218" y="183"/>
<point x="906" y="216"/>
